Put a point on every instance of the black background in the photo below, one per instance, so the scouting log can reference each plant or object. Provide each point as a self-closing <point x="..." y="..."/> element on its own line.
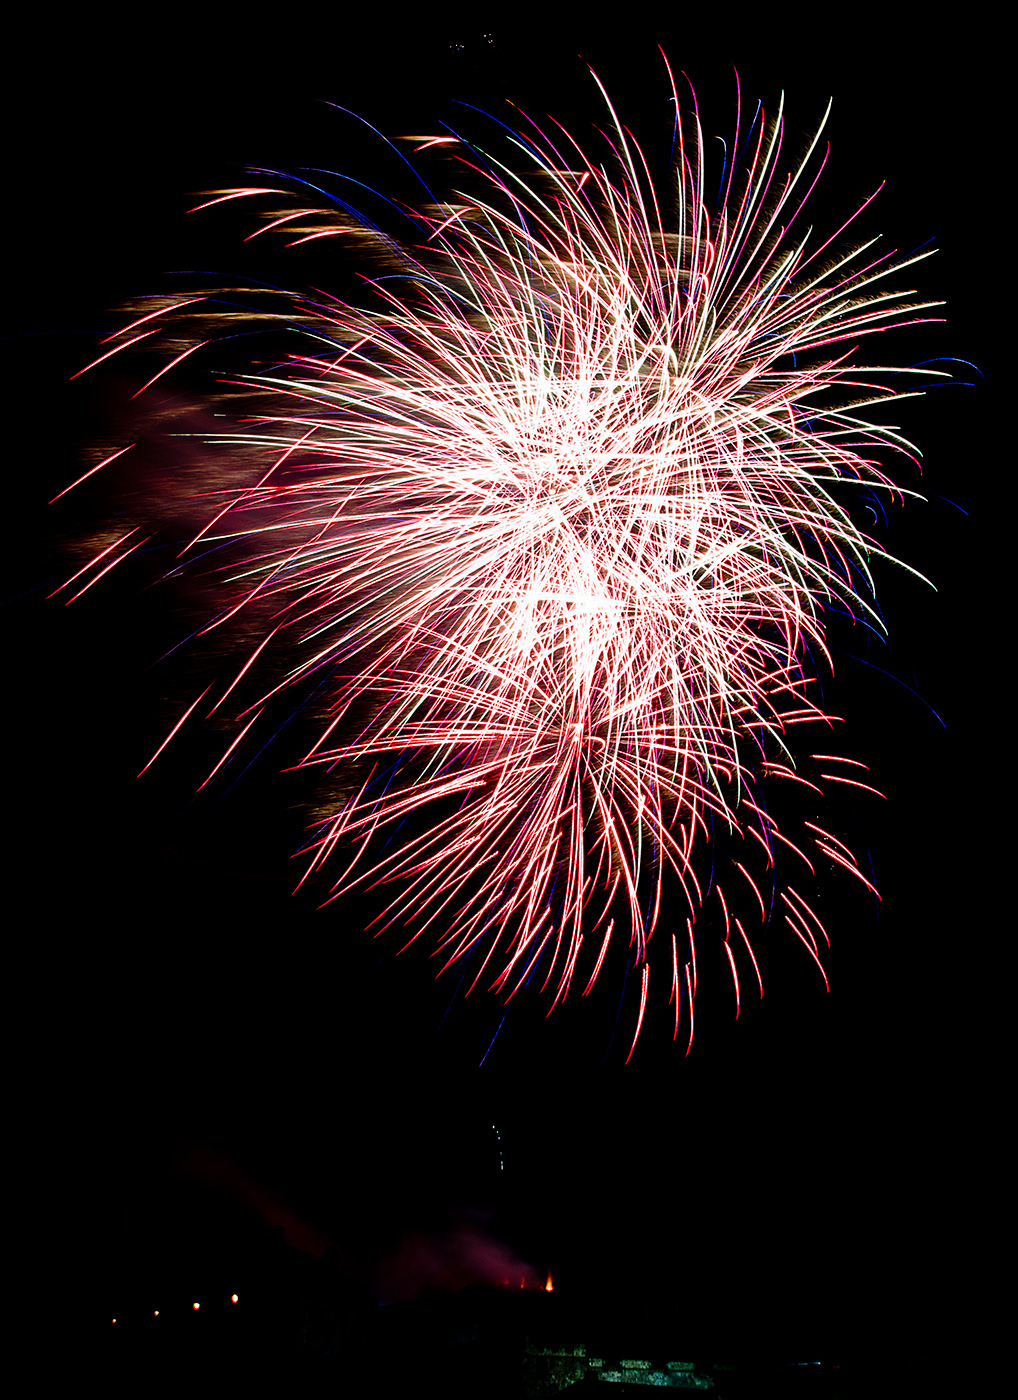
<point x="196" y="1048"/>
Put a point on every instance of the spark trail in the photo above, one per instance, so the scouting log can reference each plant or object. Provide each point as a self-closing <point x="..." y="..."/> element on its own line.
<point x="558" y="515"/>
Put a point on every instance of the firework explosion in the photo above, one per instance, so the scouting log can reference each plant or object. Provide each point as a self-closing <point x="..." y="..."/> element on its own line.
<point x="556" y="521"/>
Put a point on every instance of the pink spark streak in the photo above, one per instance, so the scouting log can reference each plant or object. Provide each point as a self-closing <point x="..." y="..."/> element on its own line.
<point x="558" y="520"/>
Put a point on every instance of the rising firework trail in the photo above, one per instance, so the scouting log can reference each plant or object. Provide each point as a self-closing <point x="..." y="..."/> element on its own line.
<point x="554" y="518"/>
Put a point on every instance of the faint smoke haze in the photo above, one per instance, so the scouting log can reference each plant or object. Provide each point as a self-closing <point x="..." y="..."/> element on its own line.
<point x="199" y="1161"/>
<point x="466" y="1252"/>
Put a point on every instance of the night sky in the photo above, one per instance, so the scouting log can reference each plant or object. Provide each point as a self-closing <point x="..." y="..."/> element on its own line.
<point x="199" y="1050"/>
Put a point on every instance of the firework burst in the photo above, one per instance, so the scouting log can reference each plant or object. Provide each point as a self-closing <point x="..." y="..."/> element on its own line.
<point x="556" y="519"/>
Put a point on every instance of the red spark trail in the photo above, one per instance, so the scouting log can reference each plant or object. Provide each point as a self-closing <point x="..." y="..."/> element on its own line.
<point x="558" y="521"/>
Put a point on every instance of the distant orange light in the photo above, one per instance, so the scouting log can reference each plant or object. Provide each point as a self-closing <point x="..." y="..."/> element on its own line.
<point x="114" y="1319"/>
<point x="156" y="1313"/>
<point x="548" y="1284"/>
<point x="233" y="1298"/>
<point x="196" y="1306"/>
